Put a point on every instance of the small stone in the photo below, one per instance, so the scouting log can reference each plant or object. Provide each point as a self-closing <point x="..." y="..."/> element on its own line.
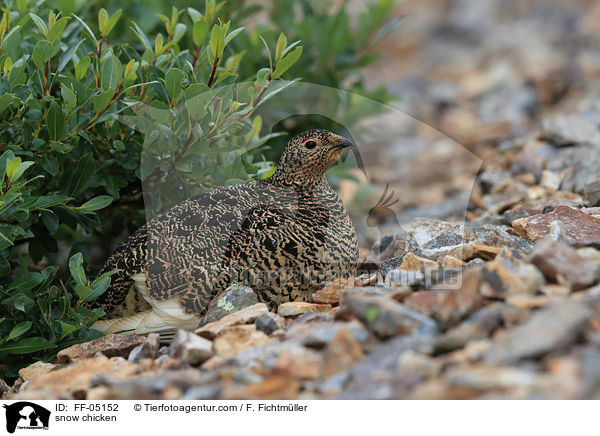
<point x="109" y="345"/>
<point x="385" y="317"/>
<point x="412" y="361"/>
<point x="551" y="179"/>
<point x="449" y="306"/>
<point x="269" y="322"/>
<point x="448" y="261"/>
<point x="501" y="278"/>
<point x="341" y="353"/>
<point x="35" y="370"/>
<point x="296" y="308"/>
<point x="578" y="225"/>
<point x="368" y="290"/>
<point x="232" y="299"/>
<point x="237" y="338"/>
<point x="410" y="262"/>
<point x="485" y="378"/>
<point x="478" y="326"/>
<point x="330" y="294"/>
<point x="366" y="280"/>
<point x="148" y="349"/>
<point x="552" y="328"/>
<point x="300" y="362"/>
<point x="562" y="264"/>
<point x="320" y="334"/>
<point x="278" y="387"/>
<point x="191" y="348"/>
<point x="563" y="130"/>
<point x="3" y="387"/>
<point x="244" y="316"/>
<point x="527" y="302"/>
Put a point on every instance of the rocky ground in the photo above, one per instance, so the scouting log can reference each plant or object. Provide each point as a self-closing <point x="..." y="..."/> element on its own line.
<point x="505" y="305"/>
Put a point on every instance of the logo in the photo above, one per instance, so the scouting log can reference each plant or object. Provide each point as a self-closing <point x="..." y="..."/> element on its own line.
<point x="26" y="415"/>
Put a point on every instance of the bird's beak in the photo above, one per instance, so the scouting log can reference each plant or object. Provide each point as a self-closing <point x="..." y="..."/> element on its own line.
<point x="344" y="143"/>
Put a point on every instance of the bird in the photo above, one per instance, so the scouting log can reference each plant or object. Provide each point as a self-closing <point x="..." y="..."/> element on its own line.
<point x="284" y="236"/>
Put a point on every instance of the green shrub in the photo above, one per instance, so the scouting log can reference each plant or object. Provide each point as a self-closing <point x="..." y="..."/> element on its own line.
<point x="66" y="157"/>
<point x="70" y="173"/>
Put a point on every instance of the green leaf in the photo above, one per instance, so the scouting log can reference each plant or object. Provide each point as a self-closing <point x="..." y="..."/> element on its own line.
<point x="286" y="62"/>
<point x="55" y="120"/>
<point x="98" y="287"/>
<point x="76" y="268"/>
<point x="26" y="281"/>
<point x="142" y="37"/>
<point x="195" y="15"/>
<point x="5" y="100"/>
<point x="231" y="35"/>
<point x="68" y="327"/>
<point x="86" y="167"/>
<point x="50" y="200"/>
<point x="102" y="20"/>
<point x="217" y="40"/>
<point x="27" y="345"/>
<point x="87" y="28"/>
<point x="180" y="30"/>
<point x="39" y="23"/>
<point x="22" y="168"/>
<point x="82" y="291"/>
<point x="68" y="95"/>
<point x="108" y="27"/>
<point x="59" y="147"/>
<point x="50" y="220"/>
<point x="67" y="56"/>
<point x="173" y="80"/>
<point x="19" y="330"/>
<point x="12" y="166"/>
<point x="58" y="29"/>
<point x="111" y="72"/>
<point x="97" y="203"/>
<point x="82" y="67"/>
<point x="43" y="52"/>
<point x="199" y="31"/>
<point x="281" y="44"/>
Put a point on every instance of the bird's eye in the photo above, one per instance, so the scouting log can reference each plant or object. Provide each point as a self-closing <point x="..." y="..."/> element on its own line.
<point x="310" y="144"/>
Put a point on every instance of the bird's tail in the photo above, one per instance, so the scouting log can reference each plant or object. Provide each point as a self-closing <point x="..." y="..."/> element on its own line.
<point x="164" y="316"/>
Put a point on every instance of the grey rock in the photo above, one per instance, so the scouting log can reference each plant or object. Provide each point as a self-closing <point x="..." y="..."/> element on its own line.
<point x="385" y="317"/>
<point x="560" y="262"/>
<point x="148" y="349"/>
<point x="320" y="334"/>
<point x="191" y="348"/>
<point x="551" y="329"/>
<point x="269" y="322"/>
<point x="478" y="326"/>
<point x="231" y="300"/>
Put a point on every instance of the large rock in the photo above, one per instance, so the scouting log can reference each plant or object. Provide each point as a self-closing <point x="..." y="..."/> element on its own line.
<point x="578" y="225"/>
<point x="232" y="299"/>
<point x="431" y="238"/>
<point x="296" y="308"/>
<point x="562" y="264"/>
<point x="385" y="317"/>
<point x="478" y="326"/>
<point x="551" y="329"/>
<point x="109" y="345"/>
<point x="448" y="306"/>
<point x="244" y="316"/>
<point x="73" y="381"/>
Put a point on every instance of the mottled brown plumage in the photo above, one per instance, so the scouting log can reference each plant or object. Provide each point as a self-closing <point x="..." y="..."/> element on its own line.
<point x="282" y="236"/>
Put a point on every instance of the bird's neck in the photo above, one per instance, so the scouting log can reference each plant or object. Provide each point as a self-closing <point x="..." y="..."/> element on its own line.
<point x="302" y="181"/>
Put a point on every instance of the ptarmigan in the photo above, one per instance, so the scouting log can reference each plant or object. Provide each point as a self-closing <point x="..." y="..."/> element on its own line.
<point x="282" y="236"/>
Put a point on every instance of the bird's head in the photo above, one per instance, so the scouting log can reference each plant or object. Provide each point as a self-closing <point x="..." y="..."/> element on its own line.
<point x="308" y="155"/>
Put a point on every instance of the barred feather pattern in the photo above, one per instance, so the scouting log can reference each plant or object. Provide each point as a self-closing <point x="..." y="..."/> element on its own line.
<point x="283" y="236"/>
